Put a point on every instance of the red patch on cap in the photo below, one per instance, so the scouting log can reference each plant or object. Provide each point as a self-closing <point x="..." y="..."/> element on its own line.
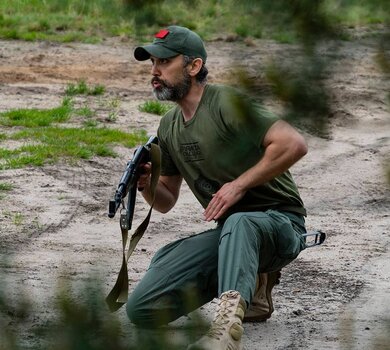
<point x="162" y="33"/>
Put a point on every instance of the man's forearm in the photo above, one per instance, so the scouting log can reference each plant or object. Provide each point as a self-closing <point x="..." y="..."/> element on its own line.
<point x="164" y="199"/>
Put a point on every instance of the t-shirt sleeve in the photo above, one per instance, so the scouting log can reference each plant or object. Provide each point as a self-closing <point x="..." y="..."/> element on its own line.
<point x="246" y="116"/>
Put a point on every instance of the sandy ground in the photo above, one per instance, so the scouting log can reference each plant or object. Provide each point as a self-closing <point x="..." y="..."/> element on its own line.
<point x="332" y="297"/>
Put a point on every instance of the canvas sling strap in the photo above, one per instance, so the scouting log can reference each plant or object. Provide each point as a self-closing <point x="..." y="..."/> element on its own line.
<point x="119" y="293"/>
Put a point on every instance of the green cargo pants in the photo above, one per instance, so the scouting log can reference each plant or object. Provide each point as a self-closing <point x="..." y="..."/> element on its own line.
<point x="190" y="272"/>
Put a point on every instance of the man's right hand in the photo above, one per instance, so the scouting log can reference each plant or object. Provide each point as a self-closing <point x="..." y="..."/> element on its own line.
<point x="144" y="178"/>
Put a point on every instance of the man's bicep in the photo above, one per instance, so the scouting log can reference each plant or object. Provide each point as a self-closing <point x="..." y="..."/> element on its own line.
<point x="283" y="140"/>
<point x="283" y="132"/>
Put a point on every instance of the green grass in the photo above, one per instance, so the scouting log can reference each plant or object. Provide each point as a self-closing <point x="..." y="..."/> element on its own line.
<point x="92" y="20"/>
<point x="18" y="219"/>
<point x="59" y="20"/>
<point x="50" y="144"/>
<point x="81" y="88"/>
<point x="155" y="107"/>
<point x="44" y="140"/>
<point x="5" y="187"/>
<point x="85" y="111"/>
<point x="37" y="117"/>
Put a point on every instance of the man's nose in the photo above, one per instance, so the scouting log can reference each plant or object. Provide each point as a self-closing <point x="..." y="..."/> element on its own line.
<point x="155" y="71"/>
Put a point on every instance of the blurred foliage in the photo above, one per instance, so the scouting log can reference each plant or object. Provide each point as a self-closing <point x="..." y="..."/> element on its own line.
<point x="79" y="320"/>
<point x="298" y="82"/>
<point x="303" y="92"/>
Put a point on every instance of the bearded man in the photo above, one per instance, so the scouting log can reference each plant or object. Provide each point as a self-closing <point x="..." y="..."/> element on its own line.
<point x="235" y="157"/>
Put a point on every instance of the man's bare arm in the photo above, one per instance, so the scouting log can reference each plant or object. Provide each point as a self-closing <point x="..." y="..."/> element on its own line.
<point x="167" y="190"/>
<point x="284" y="146"/>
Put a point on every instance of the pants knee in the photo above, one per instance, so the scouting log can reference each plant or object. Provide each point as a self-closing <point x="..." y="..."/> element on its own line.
<point x="240" y="223"/>
<point x="151" y="313"/>
<point x="134" y="310"/>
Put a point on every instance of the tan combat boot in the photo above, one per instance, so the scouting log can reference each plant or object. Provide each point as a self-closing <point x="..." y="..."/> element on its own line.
<point x="262" y="307"/>
<point x="226" y="329"/>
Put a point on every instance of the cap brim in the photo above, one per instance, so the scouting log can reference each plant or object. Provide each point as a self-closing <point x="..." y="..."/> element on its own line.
<point x="143" y="53"/>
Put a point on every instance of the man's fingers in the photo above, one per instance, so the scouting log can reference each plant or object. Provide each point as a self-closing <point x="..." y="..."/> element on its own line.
<point x="144" y="176"/>
<point x="216" y="213"/>
<point x="215" y="209"/>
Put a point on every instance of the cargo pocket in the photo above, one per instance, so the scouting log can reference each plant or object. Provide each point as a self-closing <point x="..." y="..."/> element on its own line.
<point x="289" y="243"/>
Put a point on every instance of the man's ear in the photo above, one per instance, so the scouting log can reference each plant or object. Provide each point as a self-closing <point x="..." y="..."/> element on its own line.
<point x="195" y="66"/>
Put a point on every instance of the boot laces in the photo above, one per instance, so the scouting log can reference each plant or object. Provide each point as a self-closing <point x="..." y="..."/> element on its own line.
<point x="221" y="318"/>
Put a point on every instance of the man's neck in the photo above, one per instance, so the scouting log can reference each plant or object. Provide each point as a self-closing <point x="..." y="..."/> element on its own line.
<point x="190" y="103"/>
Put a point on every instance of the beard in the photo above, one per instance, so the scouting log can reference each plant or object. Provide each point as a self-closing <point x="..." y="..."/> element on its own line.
<point x="172" y="92"/>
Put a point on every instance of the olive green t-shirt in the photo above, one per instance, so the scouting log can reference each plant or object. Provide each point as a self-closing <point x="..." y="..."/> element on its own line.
<point x="222" y="140"/>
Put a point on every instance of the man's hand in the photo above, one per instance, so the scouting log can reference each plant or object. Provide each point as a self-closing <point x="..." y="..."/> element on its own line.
<point x="144" y="178"/>
<point x="228" y="195"/>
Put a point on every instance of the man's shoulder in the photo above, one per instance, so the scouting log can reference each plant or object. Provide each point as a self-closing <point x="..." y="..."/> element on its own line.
<point x="227" y="93"/>
<point x="220" y="90"/>
<point x="218" y="95"/>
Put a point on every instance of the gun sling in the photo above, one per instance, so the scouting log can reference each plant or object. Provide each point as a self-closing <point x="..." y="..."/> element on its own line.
<point x="119" y="293"/>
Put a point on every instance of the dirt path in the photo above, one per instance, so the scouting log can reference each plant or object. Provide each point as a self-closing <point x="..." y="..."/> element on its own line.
<point x="65" y="230"/>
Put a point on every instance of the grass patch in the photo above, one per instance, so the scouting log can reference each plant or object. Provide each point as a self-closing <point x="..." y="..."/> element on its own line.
<point x="81" y="88"/>
<point x="5" y="187"/>
<point x="89" y="123"/>
<point x="50" y="144"/>
<point x="155" y="107"/>
<point x="37" y="117"/>
<point x="85" y="112"/>
<point x="18" y="219"/>
<point x="58" y="20"/>
<point x="44" y="140"/>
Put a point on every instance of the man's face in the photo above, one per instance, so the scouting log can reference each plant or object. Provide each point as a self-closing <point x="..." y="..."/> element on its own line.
<point x="171" y="81"/>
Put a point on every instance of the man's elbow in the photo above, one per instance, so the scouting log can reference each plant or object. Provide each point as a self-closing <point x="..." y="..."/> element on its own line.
<point x="300" y="148"/>
<point x="164" y="210"/>
<point x="164" y="206"/>
<point x="303" y="148"/>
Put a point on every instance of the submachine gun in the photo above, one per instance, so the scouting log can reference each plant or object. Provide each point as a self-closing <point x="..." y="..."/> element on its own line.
<point x="149" y="152"/>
